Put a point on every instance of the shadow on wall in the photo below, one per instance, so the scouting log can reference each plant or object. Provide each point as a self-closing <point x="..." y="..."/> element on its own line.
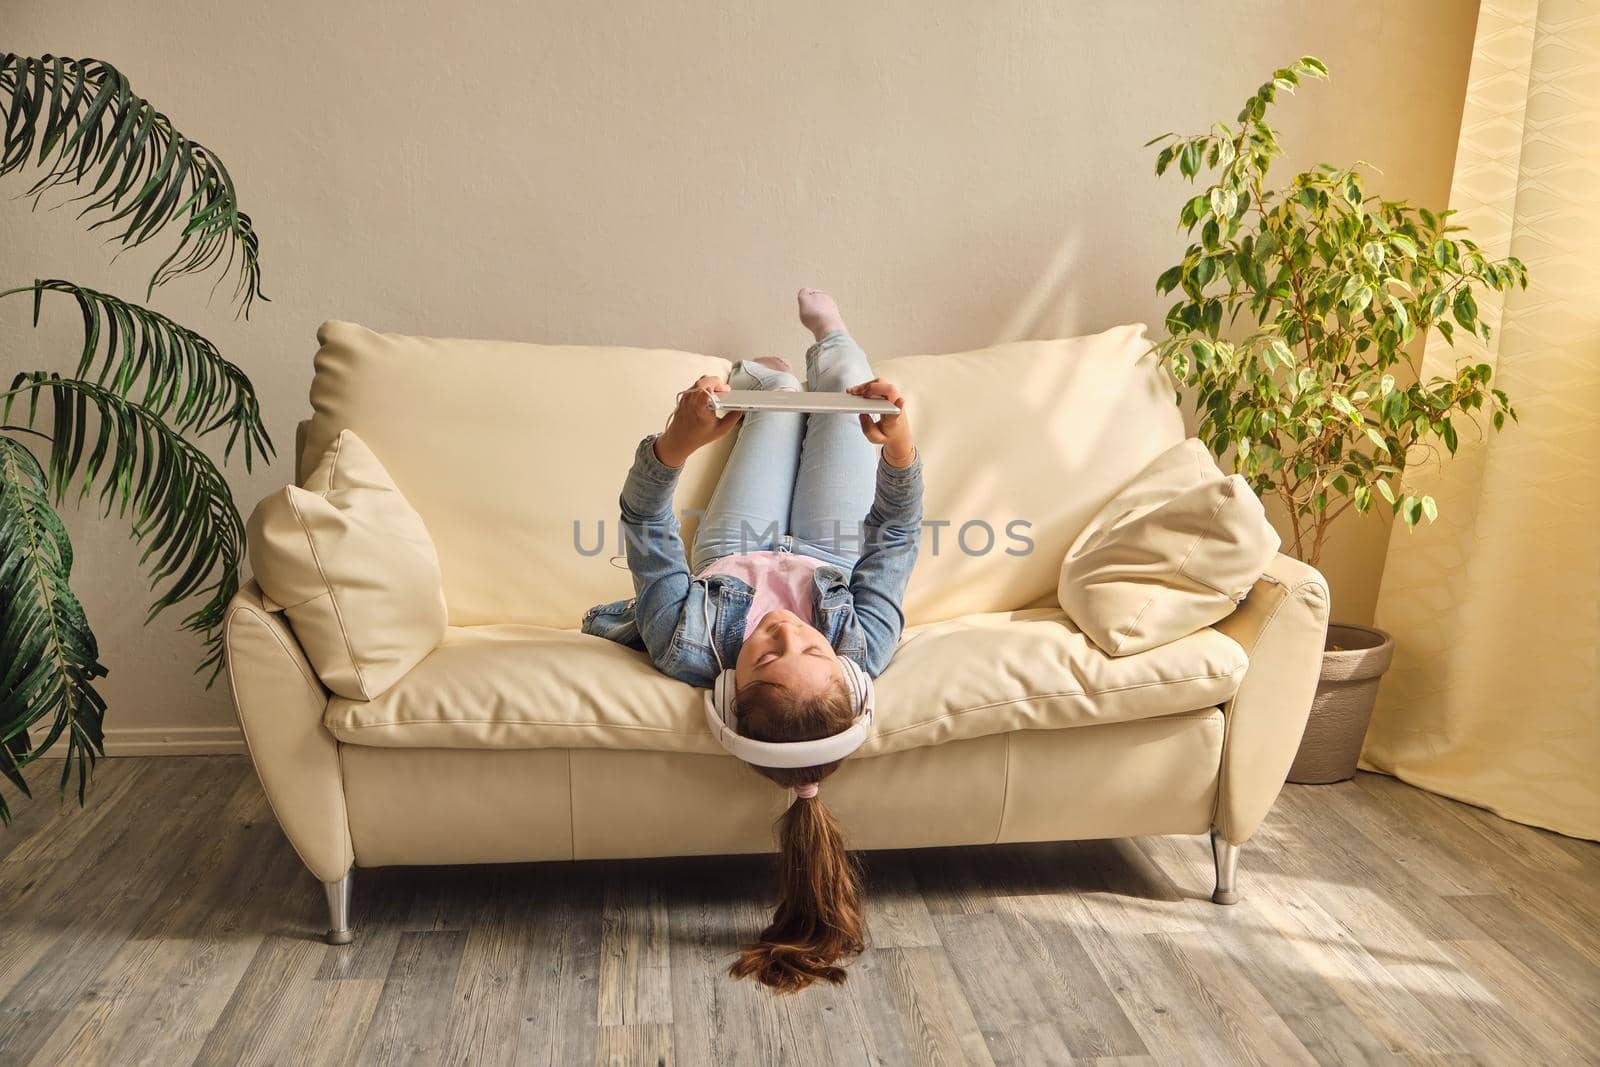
<point x="1046" y="309"/>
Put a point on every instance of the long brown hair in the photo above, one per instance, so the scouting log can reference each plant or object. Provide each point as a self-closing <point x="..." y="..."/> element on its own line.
<point x="819" y="921"/>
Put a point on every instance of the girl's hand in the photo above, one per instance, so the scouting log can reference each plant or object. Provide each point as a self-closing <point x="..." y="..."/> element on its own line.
<point x="893" y="432"/>
<point x="692" y="423"/>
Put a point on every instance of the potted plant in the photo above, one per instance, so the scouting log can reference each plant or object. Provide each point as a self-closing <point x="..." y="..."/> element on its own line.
<point x="130" y="413"/>
<point x="1301" y="317"/>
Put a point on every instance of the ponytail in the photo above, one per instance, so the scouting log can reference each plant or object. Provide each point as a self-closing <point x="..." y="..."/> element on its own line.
<point x="819" y="920"/>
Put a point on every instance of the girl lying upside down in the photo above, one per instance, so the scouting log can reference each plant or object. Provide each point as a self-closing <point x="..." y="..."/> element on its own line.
<point x="787" y="607"/>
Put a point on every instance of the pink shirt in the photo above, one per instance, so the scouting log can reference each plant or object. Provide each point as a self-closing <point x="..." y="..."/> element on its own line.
<point x="780" y="580"/>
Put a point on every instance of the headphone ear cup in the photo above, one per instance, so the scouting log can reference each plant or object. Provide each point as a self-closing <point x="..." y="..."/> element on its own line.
<point x="723" y="692"/>
<point x="858" y="681"/>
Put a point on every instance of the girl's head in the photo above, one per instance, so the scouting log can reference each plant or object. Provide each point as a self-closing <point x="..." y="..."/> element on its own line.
<point x="783" y="698"/>
<point x="784" y="652"/>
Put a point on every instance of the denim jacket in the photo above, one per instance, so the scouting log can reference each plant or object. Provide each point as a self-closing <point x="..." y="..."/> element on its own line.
<point x="693" y="626"/>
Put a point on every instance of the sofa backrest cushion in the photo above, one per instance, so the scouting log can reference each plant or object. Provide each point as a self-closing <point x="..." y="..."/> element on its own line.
<point x="1021" y="443"/>
<point x="488" y="441"/>
<point x="351" y="564"/>
<point x="1173" y="552"/>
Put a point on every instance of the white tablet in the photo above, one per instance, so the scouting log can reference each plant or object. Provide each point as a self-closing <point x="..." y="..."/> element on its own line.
<point x="806" y="402"/>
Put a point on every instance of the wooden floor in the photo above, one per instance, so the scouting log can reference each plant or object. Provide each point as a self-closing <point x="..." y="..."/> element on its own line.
<point x="171" y="923"/>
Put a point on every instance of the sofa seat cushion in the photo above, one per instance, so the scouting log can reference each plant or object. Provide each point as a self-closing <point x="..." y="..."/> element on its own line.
<point x="521" y="686"/>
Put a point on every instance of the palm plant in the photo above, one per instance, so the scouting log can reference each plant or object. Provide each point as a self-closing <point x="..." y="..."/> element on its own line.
<point x="127" y="418"/>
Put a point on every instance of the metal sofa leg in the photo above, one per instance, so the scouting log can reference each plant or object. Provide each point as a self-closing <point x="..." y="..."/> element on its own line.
<point x="1226" y="857"/>
<point x="339" y="909"/>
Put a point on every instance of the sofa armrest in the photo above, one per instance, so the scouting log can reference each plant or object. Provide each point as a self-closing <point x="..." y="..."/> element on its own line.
<point x="280" y="703"/>
<point x="1282" y="625"/>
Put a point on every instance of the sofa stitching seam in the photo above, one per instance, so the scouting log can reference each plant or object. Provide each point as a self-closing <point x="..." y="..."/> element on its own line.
<point x="880" y="733"/>
<point x="312" y="682"/>
<point x="1005" y="791"/>
<point x="1205" y="531"/>
<point x="333" y="463"/>
<point x="523" y="722"/>
<point x="344" y="631"/>
<point x="299" y="603"/>
<point x="1128" y="632"/>
<point x="1062" y="693"/>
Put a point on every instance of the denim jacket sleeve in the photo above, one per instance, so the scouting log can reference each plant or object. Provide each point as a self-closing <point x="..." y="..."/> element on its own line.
<point x="654" y="549"/>
<point x="889" y="550"/>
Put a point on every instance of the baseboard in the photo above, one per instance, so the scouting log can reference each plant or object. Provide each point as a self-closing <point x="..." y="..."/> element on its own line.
<point x="167" y="741"/>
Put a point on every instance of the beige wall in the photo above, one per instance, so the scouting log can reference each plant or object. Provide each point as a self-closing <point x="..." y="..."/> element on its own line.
<point x="668" y="175"/>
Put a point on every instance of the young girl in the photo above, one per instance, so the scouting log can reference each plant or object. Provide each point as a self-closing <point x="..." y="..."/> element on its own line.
<point x="787" y="607"/>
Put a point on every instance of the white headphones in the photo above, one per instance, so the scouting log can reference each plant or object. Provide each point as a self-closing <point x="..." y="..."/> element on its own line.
<point x="722" y="718"/>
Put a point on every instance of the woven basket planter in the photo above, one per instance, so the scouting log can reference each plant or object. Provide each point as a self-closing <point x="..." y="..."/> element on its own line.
<point x="1343" y="705"/>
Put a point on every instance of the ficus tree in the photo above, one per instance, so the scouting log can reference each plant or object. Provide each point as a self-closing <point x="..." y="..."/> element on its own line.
<point x="124" y="415"/>
<point x="1298" y="305"/>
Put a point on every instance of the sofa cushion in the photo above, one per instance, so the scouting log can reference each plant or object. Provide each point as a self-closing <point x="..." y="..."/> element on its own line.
<point x="351" y="564"/>
<point x="516" y="686"/>
<point x="1174" y="551"/>
<point x="1021" y="444"/>
<point x="511" y="474"/>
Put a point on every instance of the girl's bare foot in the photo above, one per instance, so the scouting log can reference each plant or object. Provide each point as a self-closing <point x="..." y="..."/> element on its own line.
<point x="819" y="313"/>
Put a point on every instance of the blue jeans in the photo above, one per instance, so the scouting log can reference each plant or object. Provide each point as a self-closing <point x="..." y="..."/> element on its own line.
<point x="794" y="482"/>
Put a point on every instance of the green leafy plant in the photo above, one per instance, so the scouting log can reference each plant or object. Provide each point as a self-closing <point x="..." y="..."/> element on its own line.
<point x="1335" y="288"/>
<point x="128" y="417"/>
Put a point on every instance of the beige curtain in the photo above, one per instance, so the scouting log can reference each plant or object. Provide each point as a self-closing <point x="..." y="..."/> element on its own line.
<point x="1494" y="696"/>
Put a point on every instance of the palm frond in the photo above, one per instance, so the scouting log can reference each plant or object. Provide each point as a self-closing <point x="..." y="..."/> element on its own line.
<point x="88" y="125"/>
<point x="183" y="512"/>
<point x="48" y="656"/>
<point x="185" y="381"/>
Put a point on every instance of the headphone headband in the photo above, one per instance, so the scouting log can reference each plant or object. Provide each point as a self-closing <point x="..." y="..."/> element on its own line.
<point x="721" y="718"/>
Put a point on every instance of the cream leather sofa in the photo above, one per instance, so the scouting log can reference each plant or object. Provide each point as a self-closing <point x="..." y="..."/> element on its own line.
<point x="520" y="738"/>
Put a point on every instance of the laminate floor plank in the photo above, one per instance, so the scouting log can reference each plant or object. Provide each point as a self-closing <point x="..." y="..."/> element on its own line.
<point x="412" y="1016"/>
<point x="934" y="1013"/>
<point x="1086" y="1012"/>
<point x="560" y="992"/>
<point x="495" y="964"/>
<point x="899" y="914"/>
<point x="1550" y="1023"/>
<point x="1566" y="972"/>
<point x="269" y="1004"/>
<point x="635" y="985"/>
<point x="342" y="1013"/>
